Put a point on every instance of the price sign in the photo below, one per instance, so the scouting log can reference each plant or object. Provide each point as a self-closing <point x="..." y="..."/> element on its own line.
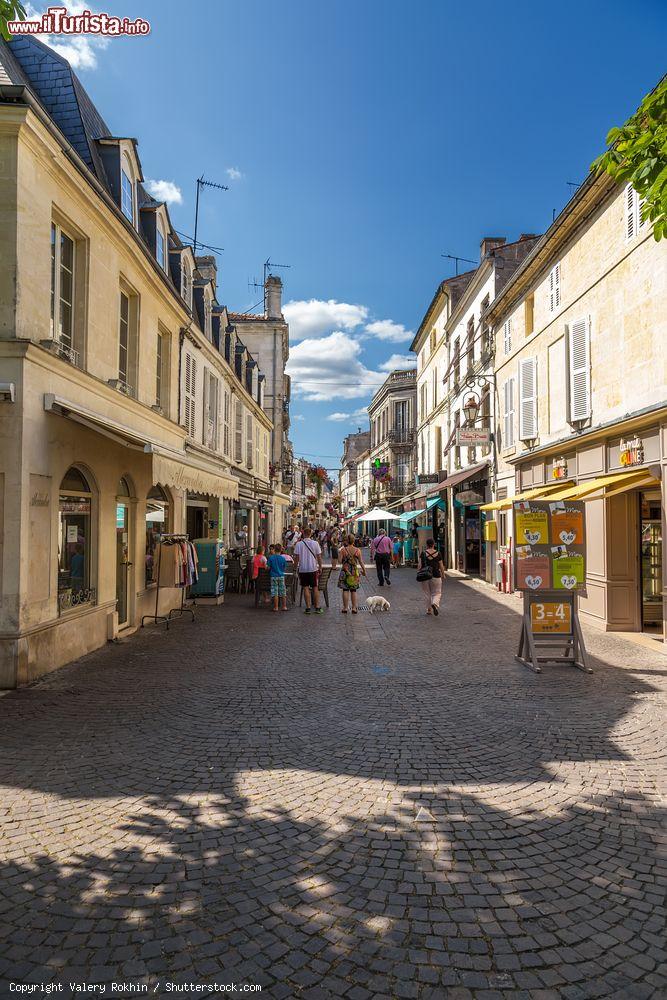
<point x="551" y="617"/>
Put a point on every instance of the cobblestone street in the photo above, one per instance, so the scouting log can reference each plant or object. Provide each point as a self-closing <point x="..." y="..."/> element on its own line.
<point x="370" y="806"/>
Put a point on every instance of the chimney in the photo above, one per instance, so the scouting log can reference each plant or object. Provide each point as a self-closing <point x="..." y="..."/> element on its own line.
<point x="208" y="269"/>
<point x="528" y="236"/>
<point x="490" y="243"/>
<point x="274" y="292"/>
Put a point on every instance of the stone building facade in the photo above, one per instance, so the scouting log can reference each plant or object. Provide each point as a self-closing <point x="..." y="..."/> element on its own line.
<point x="392" y="413"/>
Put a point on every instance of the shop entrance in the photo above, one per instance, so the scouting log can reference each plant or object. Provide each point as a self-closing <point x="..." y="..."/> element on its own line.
<point x="196" y="517"/>
<point x="122" y="563"/>
<point x="473" y="541"/>
<point x="650" y="548"/>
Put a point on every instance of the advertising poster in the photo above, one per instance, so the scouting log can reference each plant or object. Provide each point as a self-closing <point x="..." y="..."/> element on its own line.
<point x="550" y="545"/>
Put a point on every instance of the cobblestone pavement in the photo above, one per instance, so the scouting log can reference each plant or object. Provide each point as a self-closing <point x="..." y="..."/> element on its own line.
<point x="370" y="806"/>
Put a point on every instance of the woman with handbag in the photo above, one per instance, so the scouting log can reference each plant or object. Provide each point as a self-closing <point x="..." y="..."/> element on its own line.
<point x="351" y="571"/>
<point x="431" y="574"/>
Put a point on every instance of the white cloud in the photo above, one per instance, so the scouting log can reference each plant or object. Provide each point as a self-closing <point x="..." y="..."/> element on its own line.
<point x="165" y="191"/>
<point x="398" y="361"/>
<point x="79" y="50"/>
<point x="360" y="414"/>
<point x="386" y="329"/>
<point x="297" y="416"/>
<point x="234" y="173"/>
<point x="316" y="317"/>
<point x="328" y="368"/>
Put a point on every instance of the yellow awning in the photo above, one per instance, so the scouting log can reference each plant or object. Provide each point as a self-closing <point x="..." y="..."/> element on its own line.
<point x="536" y="491"/>
<point x="184" y="474"/>
<point x="583" y="490"/>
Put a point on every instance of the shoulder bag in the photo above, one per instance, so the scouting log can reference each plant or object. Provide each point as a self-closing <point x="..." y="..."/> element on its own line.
<point x="425" y="572"/>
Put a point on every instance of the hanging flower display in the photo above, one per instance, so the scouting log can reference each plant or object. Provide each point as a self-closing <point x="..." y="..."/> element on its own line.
<point x="317" y="475"/>
<point x="380" y="471"/>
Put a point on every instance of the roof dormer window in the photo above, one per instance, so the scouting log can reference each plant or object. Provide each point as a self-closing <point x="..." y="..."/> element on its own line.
<point x="186" y="282"/>
<point x="127" y="189"/>
<point x="161" y="246"/>
<point x="208" y="331"/>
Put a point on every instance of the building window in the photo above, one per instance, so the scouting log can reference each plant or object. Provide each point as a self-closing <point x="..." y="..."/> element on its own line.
<point x="74" y="541"/>
<point x="633" y="213"/>
<point x="554" y="288"/>
<point x="160" y="369"/>
<point x="437" y="449"/>
<point x="127" y="190"/>
<point x="157" y="523"/>
<point x="190" y="395"/>
<point x="211" y="393"/>
<point x="433" y="340"/>
<point x="207" y="318"/>
<point x="508" y="414"/>
<point x="238" y="432"/>
<point x="486" y="333"/>
<point x="529" y="315"/>
<point x="470" y="343"/>
<point x="457" y="361"/>
<point x="528" y="399"/>
<point x="161" y="247"/>
<point x="124" y="338"/>
<point x="248" y="441"/>
<point x="186" y="283"/>
<point x="507" y="336"/>
<point x="226" y="422"/>
<point x="62" y="287"/>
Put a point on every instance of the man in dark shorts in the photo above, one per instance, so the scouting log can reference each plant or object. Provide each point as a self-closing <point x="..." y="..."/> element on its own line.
<point x="308" y="564"/>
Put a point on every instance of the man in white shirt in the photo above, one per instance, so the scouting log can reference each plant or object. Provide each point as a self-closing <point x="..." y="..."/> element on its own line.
<point x="308" y="563"/>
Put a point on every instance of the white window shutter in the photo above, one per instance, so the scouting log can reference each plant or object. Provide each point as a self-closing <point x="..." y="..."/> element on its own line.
<point x="528" y="399"/>
<point x="630" y="212"/>
<point x="580" y="369"/>
<point x="508" y="418"/>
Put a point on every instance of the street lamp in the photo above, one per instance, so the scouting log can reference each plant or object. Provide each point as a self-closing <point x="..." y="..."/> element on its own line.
<point x="471" y="408"/>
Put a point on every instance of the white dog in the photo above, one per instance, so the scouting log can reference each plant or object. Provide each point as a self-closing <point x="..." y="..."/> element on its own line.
<point x="377" y="604"/>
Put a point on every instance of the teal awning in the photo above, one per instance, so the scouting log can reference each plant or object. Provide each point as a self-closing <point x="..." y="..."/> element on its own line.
<point x="410" y="515"/>
<point x="436" y="502"/>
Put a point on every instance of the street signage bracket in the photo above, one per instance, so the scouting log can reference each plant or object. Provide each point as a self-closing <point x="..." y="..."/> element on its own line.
<point x="550" y="631"/>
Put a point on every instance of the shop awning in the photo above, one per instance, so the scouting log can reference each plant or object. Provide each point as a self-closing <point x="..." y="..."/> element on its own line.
<point x="404" y="519"/>
<point x="459" y="477"/>
<point x="621" y="481"/>
<point x="436" y="502"/>
<point x="547" y="489"/>
<point x="377" y="514"/>
<point x="183" y="473"/>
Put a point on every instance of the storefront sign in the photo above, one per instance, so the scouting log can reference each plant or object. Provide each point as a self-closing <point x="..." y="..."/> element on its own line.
<point x="559" y="468"/>
<point x="548" y="617"/>
<point x="39" y="500"/>
<point x="550" y="545"/>
<point x="469" y="498"/>
<point x="424" y="478"/>
<point x="631" y="452"/>
<point x="472" y="436"/>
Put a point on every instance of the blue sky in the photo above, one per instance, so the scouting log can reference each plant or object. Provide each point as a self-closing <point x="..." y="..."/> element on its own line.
<point x="362" y="139"/>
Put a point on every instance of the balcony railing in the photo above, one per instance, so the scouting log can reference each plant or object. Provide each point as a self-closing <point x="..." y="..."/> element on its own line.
<point x="404" y="435"/>
<point x="64" y="351"/>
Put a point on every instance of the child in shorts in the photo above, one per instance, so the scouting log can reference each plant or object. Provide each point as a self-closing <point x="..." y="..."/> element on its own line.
<point x="277" y="564"/>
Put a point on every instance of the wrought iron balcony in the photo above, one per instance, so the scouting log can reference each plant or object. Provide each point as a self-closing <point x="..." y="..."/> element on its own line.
<point x="404" y="435"/>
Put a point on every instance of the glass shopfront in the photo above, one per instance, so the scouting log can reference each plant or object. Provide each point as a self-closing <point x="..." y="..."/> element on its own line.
<point x="651" y="561"/>
<point x="74" y="541"/>
<point x="157" y="522"/>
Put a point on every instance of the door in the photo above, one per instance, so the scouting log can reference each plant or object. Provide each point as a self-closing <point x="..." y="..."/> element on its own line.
<point x="123" y="564"/>
<point x="650" y="547"/>
<point x="472" y="541"/>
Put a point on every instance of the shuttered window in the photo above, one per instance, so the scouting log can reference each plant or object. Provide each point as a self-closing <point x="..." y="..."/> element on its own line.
<point x="554" y="288"/>
<point x="634" y="206"/>
<point x="528" y="399"/>
<point x="238" y="432"/>
<point x="508" y="414"/>
<point x="249" y="442"/>
<point x="579" y="370"/>
<point x="226" y="421"/>
<point x="211" y="410"/>
<point x="507" y="336"/>
<point x="190" y="394"/>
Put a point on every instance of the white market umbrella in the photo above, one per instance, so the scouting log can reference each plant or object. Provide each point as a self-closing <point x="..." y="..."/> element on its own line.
<point x="377" y="514"/>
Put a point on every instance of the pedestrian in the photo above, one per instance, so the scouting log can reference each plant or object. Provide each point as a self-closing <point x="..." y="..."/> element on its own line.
<point x="277" y="565"/>
<point x="308" y="564"/>
<point x="431" y="574"/>
<point x="258" y="562"/>
<point x="334" y="540"/>
<point x="351" y="570"/>
<point x="396" y="553"/>
<point x="381" y="549"/>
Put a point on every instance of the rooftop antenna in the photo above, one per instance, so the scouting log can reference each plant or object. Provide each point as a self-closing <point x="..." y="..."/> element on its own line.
<point x="202" y="183"/>
<point x="573" y="184"/>
<point x="453" y="257"/>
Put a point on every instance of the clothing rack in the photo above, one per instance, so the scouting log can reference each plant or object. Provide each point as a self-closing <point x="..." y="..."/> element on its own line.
<point x="175" y="612"/>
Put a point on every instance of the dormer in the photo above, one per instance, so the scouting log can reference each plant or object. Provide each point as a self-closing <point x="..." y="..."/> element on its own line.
<point x="220" y="321"/>
<point x="182" y="263"/>
<point x="230" y="344"/>
<point x="155" y="227"/>
<point x="240" y="362"/>
<point x="251" y="373"/>
<point x="123" y="169"/>
<point x="204" y="298"/>
<point x="261" y="384"/>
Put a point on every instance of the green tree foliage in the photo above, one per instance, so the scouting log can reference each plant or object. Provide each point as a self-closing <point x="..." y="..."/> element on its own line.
<point x="637" y="155"/>
<point x="10" y="10"/>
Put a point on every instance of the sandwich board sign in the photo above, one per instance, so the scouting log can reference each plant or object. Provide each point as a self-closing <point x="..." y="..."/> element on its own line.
<point x="550" y="568"/>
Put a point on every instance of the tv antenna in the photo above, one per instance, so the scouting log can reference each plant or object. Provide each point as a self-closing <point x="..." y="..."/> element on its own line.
<point x="253" y="283"/>
<point x="453" y="257"/>
<point x="202" y="183"/>
<point x="573" y="185"/>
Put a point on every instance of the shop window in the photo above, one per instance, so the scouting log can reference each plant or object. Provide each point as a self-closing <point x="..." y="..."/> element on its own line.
<point x="74" y="542"/>
<point x="157" y="523"/>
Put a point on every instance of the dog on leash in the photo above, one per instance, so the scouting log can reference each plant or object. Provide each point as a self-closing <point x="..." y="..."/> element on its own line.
<point x="377" y="604"/>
